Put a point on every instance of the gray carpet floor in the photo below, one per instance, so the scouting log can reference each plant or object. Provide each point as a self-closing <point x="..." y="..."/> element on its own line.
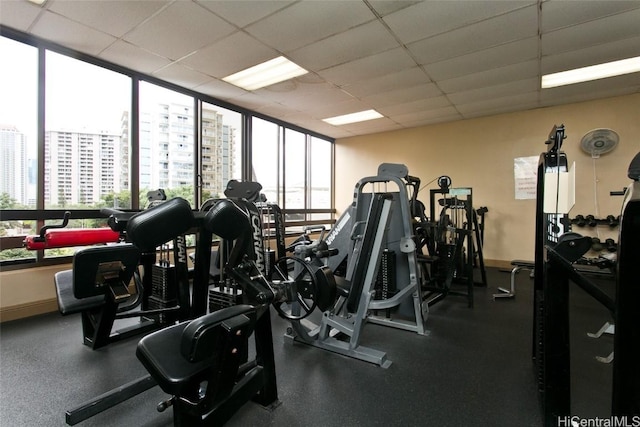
<point x="473" y="369"/>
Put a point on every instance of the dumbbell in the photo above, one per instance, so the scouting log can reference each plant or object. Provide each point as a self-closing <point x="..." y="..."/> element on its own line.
<point x="579" y="221"/>
<point x="613" y="221"/>
<point x="591" y="221"/>
<point x="611" y="245"/>
<point x="596" y="244"/>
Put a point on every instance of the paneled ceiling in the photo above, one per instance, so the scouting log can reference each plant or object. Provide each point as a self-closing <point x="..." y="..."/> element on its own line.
<point x="416" y="62"/>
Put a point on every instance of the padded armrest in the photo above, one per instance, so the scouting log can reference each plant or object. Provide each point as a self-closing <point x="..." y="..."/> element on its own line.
<point x="203" y="333"/>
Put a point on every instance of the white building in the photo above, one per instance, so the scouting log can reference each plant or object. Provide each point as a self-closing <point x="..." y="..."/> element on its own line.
<point x="13" y="163"/>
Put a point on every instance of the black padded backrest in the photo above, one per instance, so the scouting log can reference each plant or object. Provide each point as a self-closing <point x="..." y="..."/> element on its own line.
<point x="155" y="226"/>
<point x="205" y="334"/>
<point x="93" y="266"/>
<point x="227" y="219"/>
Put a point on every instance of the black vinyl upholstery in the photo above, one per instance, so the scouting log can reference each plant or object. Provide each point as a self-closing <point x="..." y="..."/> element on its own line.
<point x="182" y="356"/>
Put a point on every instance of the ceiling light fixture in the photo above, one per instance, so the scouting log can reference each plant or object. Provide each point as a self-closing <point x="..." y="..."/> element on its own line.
<point x="273" y="71"/>
<point x="593" y="72"/>
<point x="360" y="116"/>
<point x="38" y="2"/>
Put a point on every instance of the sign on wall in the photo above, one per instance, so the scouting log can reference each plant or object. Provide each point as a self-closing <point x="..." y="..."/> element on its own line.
<point x="525" y="171"/>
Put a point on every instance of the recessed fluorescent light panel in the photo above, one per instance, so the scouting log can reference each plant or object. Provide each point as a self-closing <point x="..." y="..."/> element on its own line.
<point x="593" y="72"/>
<point x="360" y="116"/>
<point x="273" y="71"/>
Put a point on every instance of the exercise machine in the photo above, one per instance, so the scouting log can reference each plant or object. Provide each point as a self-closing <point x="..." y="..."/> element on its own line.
<point x="556" y="251"/>
<point x="201" y="363"/>
<point x="381" y="284"/>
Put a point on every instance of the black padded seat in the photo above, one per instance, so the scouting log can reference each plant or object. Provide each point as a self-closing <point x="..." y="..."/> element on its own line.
<point x="67" y="302"/>
<point x="165" y="353"/>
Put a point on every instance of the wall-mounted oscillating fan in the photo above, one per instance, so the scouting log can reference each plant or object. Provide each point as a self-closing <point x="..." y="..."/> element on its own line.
<point x="599" y="141"/>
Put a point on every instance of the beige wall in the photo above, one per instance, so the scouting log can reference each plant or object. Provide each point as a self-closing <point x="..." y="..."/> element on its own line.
<point x="28" y="292"/>
<point x="479" y="153"/>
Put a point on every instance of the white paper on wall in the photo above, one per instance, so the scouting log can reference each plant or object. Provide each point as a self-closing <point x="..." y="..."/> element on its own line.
<point x="525" y="171"/>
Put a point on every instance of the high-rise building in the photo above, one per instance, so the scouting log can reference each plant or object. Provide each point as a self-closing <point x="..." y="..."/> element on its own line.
<point x="81" y="167"/>
<point x="13" y="163"/>
<point x="218" y="147"/>
<point x="167" y="148"/>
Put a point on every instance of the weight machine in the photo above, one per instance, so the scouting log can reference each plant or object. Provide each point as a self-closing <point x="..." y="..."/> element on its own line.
<point x="555" y="253"/>
<point x="379" y="226"/>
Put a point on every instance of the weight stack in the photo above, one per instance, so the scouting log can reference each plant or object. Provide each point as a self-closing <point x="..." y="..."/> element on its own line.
<point x="164" y="291"/>
<point x="220" y="298"/>
<point x="385" y="286"/>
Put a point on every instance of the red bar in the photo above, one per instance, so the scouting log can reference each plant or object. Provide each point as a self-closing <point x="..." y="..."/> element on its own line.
<point x="67" y="237"/>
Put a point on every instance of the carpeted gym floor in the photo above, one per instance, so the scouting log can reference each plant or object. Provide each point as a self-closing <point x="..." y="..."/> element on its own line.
<point x="473" y="369"/>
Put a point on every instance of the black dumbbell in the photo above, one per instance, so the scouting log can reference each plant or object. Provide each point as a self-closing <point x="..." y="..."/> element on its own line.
<point x="591" y="221"/>
<point x="612" y="221"/>
<point x="596" y="245"/>
<point x="579" y="221"/>
<point x="611" y="245"/>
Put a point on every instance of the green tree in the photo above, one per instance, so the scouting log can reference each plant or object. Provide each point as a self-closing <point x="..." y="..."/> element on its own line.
<point x="7" y="202"/>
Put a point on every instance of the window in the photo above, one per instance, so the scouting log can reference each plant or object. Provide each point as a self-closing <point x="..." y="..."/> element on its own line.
<point x="86" y="135"/>
<point x="18" y="138"/>
<point x="295" y="178"/>
<point x="18" y="127"/>
<point x="167" y="143"/>
<point x="266" y="158"/>
<point x="220" y="150"/>
<point x="80" y="156"/>
<point x="320" y="172"/>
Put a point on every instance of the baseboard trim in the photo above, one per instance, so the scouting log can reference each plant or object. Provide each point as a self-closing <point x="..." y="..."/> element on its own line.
<point x="21" y="311"/>
<point x="498" y="263"/>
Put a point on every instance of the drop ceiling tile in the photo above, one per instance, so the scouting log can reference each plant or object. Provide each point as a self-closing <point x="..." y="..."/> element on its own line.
<point x="605" y="30"/>
<point x="308" y="21"/>
<point x="372" y="126"/>
<point x="408" y="77"/>
<point x="385" y="7"/>
<point x="76" y="36"/>
<point x="483" y="60"/>
<point x="372" y="66"/>
<point x="612" y="86"/>
<point x="433" y="120"/>
<point x="403" y="95"/>
<point x="435" y="103"/>
<point x="359" y="42"/>
<point x="591" y="55"/>
<point x="430" y="114"/>
<point x="505" y="103"/>
<point x="430" y="18"/>
<point x="245" y="12"/>
<point x="115" y="17"/>
<point x="195" y="26"/>
<point x="181" y="75"/>
<point x="304" y="96"/>
<point x="497" y="91"/>
<point x="220" y="90"/>
<point x="495" y="76"/>
<point x="323" y="111"/>
<point x="18" y="15"/>
<point x="230" y="55"/>
<point x="557" y="14"/>
<point x="130" y="56"/>
<point x="517" y="25"/>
